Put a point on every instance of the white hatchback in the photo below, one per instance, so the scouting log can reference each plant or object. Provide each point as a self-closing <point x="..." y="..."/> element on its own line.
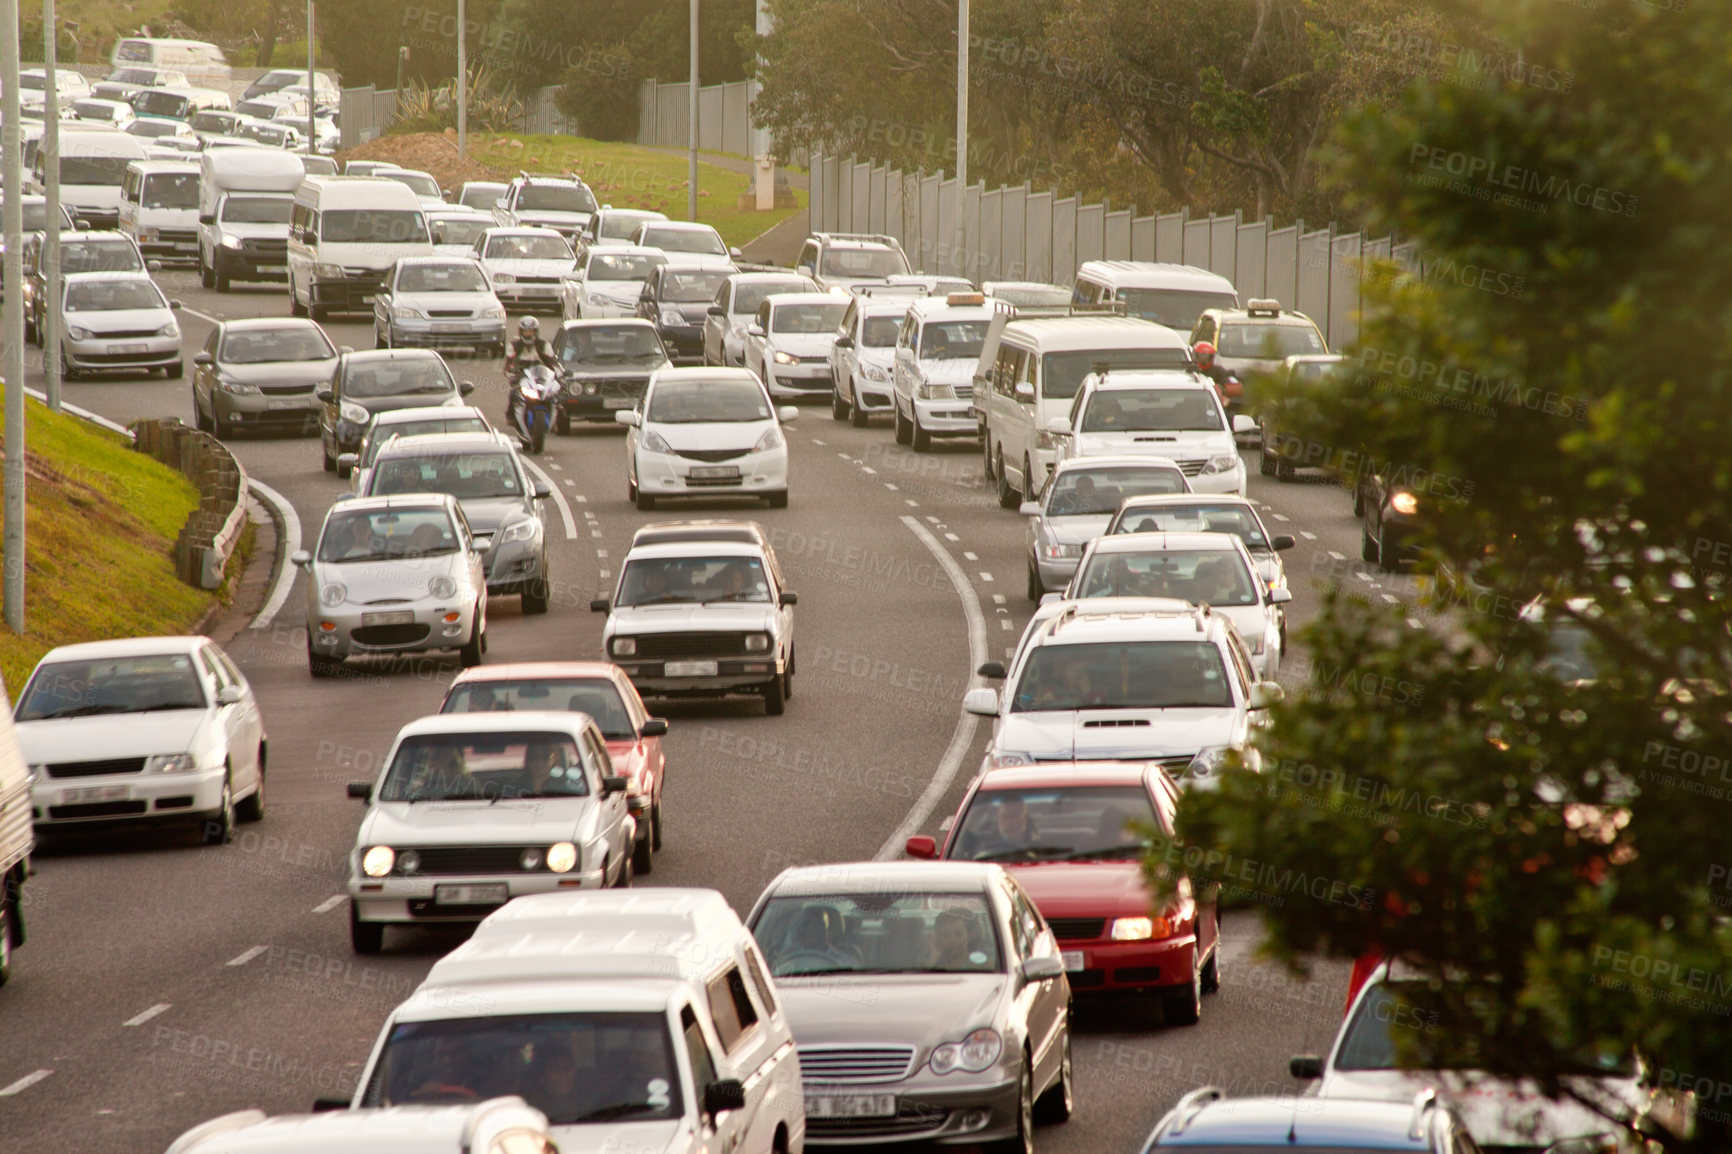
<point x="706" y="432"/>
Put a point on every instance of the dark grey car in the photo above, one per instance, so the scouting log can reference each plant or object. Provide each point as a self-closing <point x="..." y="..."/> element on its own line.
<point x="261" y="373"/>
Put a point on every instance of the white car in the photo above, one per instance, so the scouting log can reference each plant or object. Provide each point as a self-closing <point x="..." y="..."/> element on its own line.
<point x="525" y="265"/>
<point x="455" y="229"/>
<point x="788" y="345"/>
<point x="438" y="301"/>
<point x="1173" y="414"/>
<point x="481" y="195"/>
<point x="143" y="729"/>
<point x="505" y="1125"/>
<point x="167" y="133"/>
<point x="474" y="809"/>
<point x="736" y="306"/>
<point x="687" y="242"/>
<point x="94" y="110"/>
<point x="863" y="359"/>
<point x="425" y="186"/>
<point x="113" y="321"/>
<point x="1076" y="505"/>
<point x="69" y="84"/>
<point x="608" y="281"/>
<point x="936" y="354"/>
<point x="562" y="203"/>
<point x="612" y="225"/>
<point x="706" y="432"/>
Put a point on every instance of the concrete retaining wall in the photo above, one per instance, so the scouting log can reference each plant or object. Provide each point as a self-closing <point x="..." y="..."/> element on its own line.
<point x="208" y="539"/>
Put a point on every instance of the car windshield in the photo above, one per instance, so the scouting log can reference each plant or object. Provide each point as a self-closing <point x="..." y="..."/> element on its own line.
<point x="622" y="266"/>
<point x="524" y="247"/>
<point x="159" y="102"/>
<point x="372" y="226"/>
<point x="213" y="121"/>
<point x="1091" y="492"/>
<point x="1068" y="823"/>
<point x="620" y="226"/>
<point x="693" y="580"/>
<point x="597" y="696"/>
<point x="1196" y="517"/>
<point x="1123" y="675"/>
<point x="482" y="196"/>
<point x="457" y="766"/>
<point x="1175" y="308"/>
<point x="170" y="190"/>
<point x="555" y="198"/>
<point x="154" y="128"/>
<point x="97" y="170"/>
<point x="139" y="684"/>
<point x="380" y="435"/>
<point x="387" y="535"/>
<point x="706" y="402"/>
<point x="880" y="332"/>
<point x="611" y="345"/>
<point x="695" y="240"/>
<point x="1212" y="576"/>
<point x="880" y="932"/>
<point x="396" y="378"/>
<point x="132" y="76"/>
<point x="274" y="346"/>
<point x="865" y="263"/>
<point x="574" y="1068"/>
<point x="460" y="230"/>
<point x="748" y="295"/>
<point x="257" y="210"/>
<point x="480" y="476"/>
<point x="94" y="110"/>
<point x="1152" y="411"/>
<point x="808" y="318"/>
<point x="97" y="296"/>
<point x="423" y="184"/>
<point x="269" y="133"/>
<point x="99" y="256"/>
<point x="952" y="340"/>
<point x="455" y="277"/>
<point x="690" y="288"/>
<point x="1062" y="373"/>
<point x="35" y="216"/>
<point x="1268" y="341"/>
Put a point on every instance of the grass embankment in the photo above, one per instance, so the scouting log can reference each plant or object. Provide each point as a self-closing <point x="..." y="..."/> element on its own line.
<point x="100" y="525"/>
<point x="623" y="175"/>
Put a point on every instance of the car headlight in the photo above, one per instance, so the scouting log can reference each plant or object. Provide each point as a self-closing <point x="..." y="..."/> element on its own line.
<point x="146" y="234"/>
<point x="408" y="862"/>
<point x="1225" y="463"/>
<point x="504" y="278"/>
<point x="530" y="859"/>
<point x="518" y="531"/>
<point x="973" y="1054"/>
<point x="1404" y="503"/>
<point x="1140" y="929"/>
<point x="652" y="442"/>
<point x="1043" y="439"/>
<point x="1058" y="552"/>
<point x="169" y="330"/>
<point x="874" y="373"/>
<point x="562" y="857"/>
<point x="934" y="391"/>
<point x="782" y="358"/>
<point x="493" y="313"/>
<point x="672" y="316"/>
<point x="589" y="388"/>
<point x="442" y="588"/>
<point x="170" y="763"/>
<point x="77" y="333"/>
<point x="595" y="298"/>
<point x="405" y="313"/>
<point x="772" y="439"/>
<point x="333" y="594"/>
<point x="231" y="242"/>
<point x="353" y="413"/>
<point x="623" y="646"/>
<point x="757" y="643"/>
<point x="377" y="861"/>
<point x="238" y="388"/>
<point x="1209" y="762"/>
<point x="1002" y="760"/>
<point x="328" y="271"/>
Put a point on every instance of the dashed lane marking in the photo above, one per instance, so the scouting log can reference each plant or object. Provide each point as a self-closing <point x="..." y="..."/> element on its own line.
<point x="970" y="557"/>
<point x="246" y="956"/>
<point x="328" y="904"/>
<point x="140" y="1019"/>
<point x="952" y="537"/>
<point x="1308" y="535"/>
<point x="986" y="577"/>
<point x="24" y="1083"/>
<point x="558" y="499"/>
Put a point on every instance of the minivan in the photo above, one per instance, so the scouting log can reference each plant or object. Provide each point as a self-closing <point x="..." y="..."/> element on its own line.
<point x="93" y="165"/>
<point x="203" y="62"/>
<point x="159" y="207"/>
<point x="345" y="233"/>
<point x="1174" y="295"/>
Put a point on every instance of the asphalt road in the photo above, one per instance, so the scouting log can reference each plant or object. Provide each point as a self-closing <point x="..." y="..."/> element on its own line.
<point x="165" y="983"/>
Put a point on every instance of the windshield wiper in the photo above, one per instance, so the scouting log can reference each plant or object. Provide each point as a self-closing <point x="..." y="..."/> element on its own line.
<point x="164" y="705"/>
<point x="664" y="599"/>
<point x="734" y="597"/>
<point x="1111" y="851"/>
<point x="81" y="711"/>
<point x="618" y="1110"/>
<point x="1031" y="852"/>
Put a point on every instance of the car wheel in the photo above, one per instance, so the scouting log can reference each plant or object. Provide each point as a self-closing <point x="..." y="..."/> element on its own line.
<point x="1028" y="493"/>
<point x="656" y="825"/>
<point x="1358" y="501"/>
<point x="1388" y="551"/>
<point x="321" y="666"/>
<point x="778" y="500"/>
<point x="986" y="457"/>
<point x="904" y="428"/>
<point x="365" y="937"/>
<point x="204" y="274"/>
<point x="1265" y="459"/>
<point x="1284" y="469"/>
<point x="643" y="856"/>
<point x="1212" y="971"/>
<point x="219" y="279"/>
<point x="379" y="340"/>
<point x="6" y="915"/>
<point x="67" y="372"/>
<point x="175" y="371"/>
<point x="1036" y="589"/>
<point x="325" y="451"/>
<point x="1059" y="1101"/>
<point x="1183" y="1007"/>
<point x="921" y="439"/>
<point x="1008" y="498"/>
<point x="1023" y="1143"/>
<point x="838" y="407"/>
<point x="219" y="827"/>
<point x="341" y="469"/>
<point x="253" y="808"/>
<point x="562" y="423"/>
<point x="623" y="881"/>
<point x="535" y="594"/>
<point x="645" y="502"/>
<point x="775" y="699"/>
<point x="1367" y="545"/>
<point x="470" y="654"/>
<point x="857" y="416"/>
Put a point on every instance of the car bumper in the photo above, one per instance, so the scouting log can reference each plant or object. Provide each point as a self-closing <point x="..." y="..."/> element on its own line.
<point x="170" y="244"/>
<point x="242" y="264"/>
<point x="606" y="309"/>
<point x="685" y="343"/>
<point x="298" y="409"/>
<point x="405" y="900"/>
<point x="873" y="395"/>
<point x="529" y="296"/>
<point x="351" y="635"/>
<point x="142" y="353"/>
<point x="802" y="380"/>
<point x="349" y="293"/>
<point x="1233" y="482"/>
<point x="590" y="407"/>
<point x="732" y="675"/>
<point x="975" y="1113"/>
<point x="1056" y="574"/>
<point x="661" y="475"/>
<point x="516" y="565"/>
<point x="1109" y="966"/>
<point x="126" y="797"/>
<point x="946" y="418"/>
<point x="430" y="333"/>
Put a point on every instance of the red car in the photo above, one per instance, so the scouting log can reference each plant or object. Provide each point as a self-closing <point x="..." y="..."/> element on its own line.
<point x="602" y="690"/>
<point x="1076" y="834"/>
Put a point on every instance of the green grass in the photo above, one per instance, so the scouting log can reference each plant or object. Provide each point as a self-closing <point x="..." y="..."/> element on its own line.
<point x="100" y="525"/>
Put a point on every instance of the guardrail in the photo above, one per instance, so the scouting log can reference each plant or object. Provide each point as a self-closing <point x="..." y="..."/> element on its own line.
<point x="207" y="540"/>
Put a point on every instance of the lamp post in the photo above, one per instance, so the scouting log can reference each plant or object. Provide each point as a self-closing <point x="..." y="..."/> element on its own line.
<point x="312" y="91"/>
<point x="692" y="125"/>
<point x="462" y="84"/>
<point x="402" y="59"/>
<point x="761" y="136"/>
<point x="50" y="334"/>
<point x="12" y="223"/>
<point x="960" y="259"/>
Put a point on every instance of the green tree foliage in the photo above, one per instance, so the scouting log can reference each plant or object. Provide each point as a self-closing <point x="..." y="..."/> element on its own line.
<point x="1446" y="794"/>
<point x="600" y="93"/>
<point x="261" y="24"/>
<point x="361" y="39"/>
<point x="558" y="36"/>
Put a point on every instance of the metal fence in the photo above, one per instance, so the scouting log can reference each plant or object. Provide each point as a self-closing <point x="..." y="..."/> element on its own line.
<point x="1021" y="234"/>
<point x="367" y="113"/>
<point x="724" y="116"/>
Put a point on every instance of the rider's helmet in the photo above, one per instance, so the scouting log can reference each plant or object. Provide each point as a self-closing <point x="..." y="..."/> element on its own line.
<point x="528" y="327"/>
<point x="1205" y="354"/>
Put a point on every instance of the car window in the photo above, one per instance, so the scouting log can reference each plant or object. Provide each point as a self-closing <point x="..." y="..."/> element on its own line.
<point x="809" y="319"/>
<point x="386" y="534"/>
<point x="275" y="346"/>
<point x="1055" y="823"/>
<point x="900" y="932"/>
<point x="953" y="340"/>
<point x="703" y="580"/>
<point x="1150" y="410"/>
<point x="702" y="402"/>
<point x="1123" y="675"/>
<point x="455" y="277"/>
<point x="1089" y="492"/>
<point x="879" y="332"/>
<point x="144" y="683"/>
<point x="465" y="766"/>
<point x="112" y="296"/>
<point x="211" y="667"/>
<point x="1200" y="517"/>
<point x="1063" y="373"/>
<point x="397" y="377"/>
<point x="1201" y="576"/>
<point x="697" y="1050"/>
<point x="766" y="994"/>
<point x="483" y="474"/>
<point x="731" y="1008"/>
<point x="1269" y="341"/>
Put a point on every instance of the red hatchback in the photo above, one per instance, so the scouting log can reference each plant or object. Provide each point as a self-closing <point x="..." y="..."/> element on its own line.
<point x="1075" y="834"/>
<point x="602" y="690"/>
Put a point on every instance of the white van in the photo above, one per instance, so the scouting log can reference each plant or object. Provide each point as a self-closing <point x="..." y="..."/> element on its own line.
<point x="159" y="207"/>
<point x="345" y="233"/>
<point x="17" y="833"/>
<point x="634" y="1019"/>
<point x="179" y="103"/>
<point x="203" y="63"/>
<point x="93" y="163"/>
<point x="1174" y="295"/>
<point x="1029" y="372"/>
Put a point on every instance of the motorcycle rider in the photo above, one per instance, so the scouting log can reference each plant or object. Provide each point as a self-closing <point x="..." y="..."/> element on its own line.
<point x="1227" y="384"/>
<point x="527" y="347"/>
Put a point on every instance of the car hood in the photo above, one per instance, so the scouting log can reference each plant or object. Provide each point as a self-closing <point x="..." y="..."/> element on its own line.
<point x="525" y="267"/>
<point x="553" y="218"/>
<point x="371" y="582"/>
<point x="1084" y="889"/>
<point x="121" y="320"/>
<point x="950" y="370"/>
<point x="110" y="735"/>
<point x="476" y="300"/>
<point x="1250" y="620"/>
<point x="1076" y="530"/>
<point x="508" y="822"/>
<point x="924" y="1010"/>
<point x="870" y="355"/>
<point x="691" y="314"/>
<point x="713" y="435"/>
<point x="453" y="250"/>
<point x="803" y="344"/>
<point x="486" y="514"/>
<point x="618" y="372"/>
<point x="1175" y="445"/>
<point x="624" y="291"/>
<point x="254" y="231"/>
<point x="618" y="1137"/>
<point x="406" y="401"/>
<point x="1068" y="736"/>
<point x="1268" y="566"/>
<point x="723" y="616"/>
<point x="1497" y="1111"/>
<point x="281" y="372"/>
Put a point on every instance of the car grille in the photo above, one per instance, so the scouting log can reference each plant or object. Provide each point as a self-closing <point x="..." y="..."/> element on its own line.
<point x="470" y="859"/>
<point x="97" y="809"/>
<point x="855" y="1063"/>
<point x="286" y="390"/>
<point x="620" y="387"/>
<point x="96" y="768"/>
<point x="1191" y="468"/>
<point x="126" y="334"/>
<point x="177" y="235"/>
<point x="390" y="634"/>
<point x="912" y="1120"/>
<point x="663" y="645"/>
<point x="824" y="360"/>
<point x="1088" y="979"/>
<point x="120" y="358"/>
<point x="537" y="280"/>
<point x="449" y="314"/>
<point x="715" y="482"/>
<point x="1116" y="723"/>
<point x="712" y="454"/>
<point x="1077" y="929"/>
<point x="262" y="247"/>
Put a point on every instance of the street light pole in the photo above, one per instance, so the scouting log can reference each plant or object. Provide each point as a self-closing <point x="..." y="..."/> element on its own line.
<point x="692" y="125"/>
<point x="312" y="92"/>
<point x="50" y="334"/>
<point x="12" y="315"/>
<point x="462" y="84"/>
<point x="761" y="136"/>
<point x="960" y="258"/>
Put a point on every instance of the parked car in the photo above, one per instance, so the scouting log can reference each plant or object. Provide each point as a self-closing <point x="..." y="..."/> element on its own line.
<point x="261" y="374"/>
<point x="419" y="422"/>
<point x="706" y="433"/>
<point x="525" y="265"/>
<point x="604" y="368"/>
<point x="142" y="729"/>
<point x="736" y="306"/>
<point x="788" y="345"/>
<point x="1077" y="504"/>
<point x="365" y="383"/>
<point x="482" y="195"/>
<point x="863" y="359"/>
<point x="1206" y="1119"/>
<point x="608" y="281"/>
<point x="676" y="299"/>
<point x="113" y="322"/>
<point x="1175" y="415"/>
<point x="505" y="1125"/>
<point x="438" y="301"/>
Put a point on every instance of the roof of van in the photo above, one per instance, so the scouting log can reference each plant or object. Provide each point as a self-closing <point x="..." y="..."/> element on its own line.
<point x="150" y="166"/>
<point x="410" y="1129"/>
<point x="1154" y="274"/>
<point x="1095" y="332"/>
<point x="365" y="189"/>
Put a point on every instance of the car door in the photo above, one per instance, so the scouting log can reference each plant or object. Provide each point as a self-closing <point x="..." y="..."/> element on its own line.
<point x="611" y="839"/>
<point x="701" y="1049"/>
<point x="747" y="1045"/>
<point x="328" y="413"/>
<point x="904" y="372"/>
<point x="758" y="342"/>
<point x="382" y="303"/>
<point x="1043" y="1003"/>
<point x="253" y="721"/>
<point x="204" y="375"/>
<point x="784" y="613"/>
<point x="243" y="761"/>
<point x="646" y="300"/>
<point x="842" y="360"/>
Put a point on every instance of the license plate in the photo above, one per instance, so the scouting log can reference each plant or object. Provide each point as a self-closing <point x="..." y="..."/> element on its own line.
<point x="689" y="669"/>
<point x="850" y="1105"/>
<point x="1073" y="960"/>
<point x="490" y="894"/>
<point x="94" y="793"/>
<point x="273" y="268"/>
<point x="294" y="404"/>
<point x="449" y="328"/>
<point x="130" y="348"/>
<point x="617" y="403"/>
<point x="715" y="471"/>
<point x="368" y="299"/>
<point x="396" y="617"/>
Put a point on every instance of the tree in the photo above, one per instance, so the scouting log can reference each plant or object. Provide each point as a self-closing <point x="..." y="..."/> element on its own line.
<point x="1445" y="795"/>
<point x="558" y="35"/>
<point x="361" y="38"/>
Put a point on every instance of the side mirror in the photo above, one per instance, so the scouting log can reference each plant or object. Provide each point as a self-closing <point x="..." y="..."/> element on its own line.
<point x="787" y="414"/>
<point x="1023" y="391"/>
<point x="300" y="558"/>
<point x="754" y="329"/>
<point x="844" y="342"/>
<point x="803" y="268"/>
<point x="789" y="598"/>
<point x="1266" y="693"/>
<point x="175" y="305"/>
<point x="542" y="490"/>
<point x="736" y="254"/>
<point x="464" y="388"/>
<point x="203" y="359"/>
<point x="1284" y="541"/>
<point x="153" y="265"/>
<point x="1049" y="598"/>
<point x="207" y="218"/>
<point x="361" y="790"/>
<point x="653" y="727"/>
<point x="922" y="847"/>
<point x="715" y="311"/>
<point x="325" y="395"/>
<point x="981" y="702"/>
<point x="1029" y="509"/>
<point x="628" y="417"/>
<point x="1042" y="969"/>
<point x="229" y="695"/>
<point x="326" y="1105"/>
<point x="613" y="785"/>
<point x="1059" y="425"/>
<point x="1243" y="424"/>
<point x="345" y="348"/>
<point x="993" y="670"/>
<point x="1305" y="1066"/>
<point x="348" y="460"/>
<point x="600" y="605"/>
<point x="1280" y="596"/>
<point x="727" y="1094"/>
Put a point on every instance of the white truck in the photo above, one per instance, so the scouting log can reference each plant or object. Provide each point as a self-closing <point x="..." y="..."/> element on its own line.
<point x="246" y="198"/>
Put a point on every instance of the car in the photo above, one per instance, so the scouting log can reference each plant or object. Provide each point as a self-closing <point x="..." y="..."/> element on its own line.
<point x="703" y="619"/>
<point x="143" y="729"/>
<point x="788" y="344"/>
<point x="438" y="301"/>
<point x="687" y="242"/>
<point x="1393" y="503"/>
<point x="413" y="553"/>
<point x="367" y="167"/>
<point x="706" y="433"/>
<point x="344" y="236"/>
<point x="603" y="692"/>
<point x="482" y="195"/>
<point x="455" y="229"/>
<point x="1188" y="513"/>
<point x="1076" y="505"/>
<point x="125" y="83"/>
<point x="1170" y="685"/>
<point x="863" y="359"/>
<point x="934" y="286"/>
<point x="159" y="207"/>
<point x="844" y="259"/>
<point x="272" y="132"/>
<point x="966" y="1039"/>
<point x="281" y="79"/>
<point x="261" y="374"/>
<point x="1173" y="295"/>
<point x="604" y="368"/>
<point x="17" y="838"/>
<point x="501" y="503"/>
<point x="69" y="85"/>
<point x="80" y="251"/>
<point x="36" y="218"/>
<point x="270" y="105"/>
<point x="562" y="203"/>
<point x="117" y="322"/>
<point x="676" y="299"/>
<point x="1255" y="340"/>
<point x="177" y="133"/>
<point x="1028" y="294"/>
<point x="1206" y="1119"/>
<point x="419" y="422"/>
<point x="613" y="226"/>
<point x="95" y="110"/>
<point x="1176" y="415"/>
<point x="525" y="265"/>
<point x="1075" y="835"/>
<point x="209" y="123"/>
<point x="505" y="1125"/>
<point x="607" y="281"/>
<point x="426" y="854"/>
<point x="422" y="183"/>
<point x="735" y="307"/>
<point x="369" y="382"/>
<point x="936" y="354"/>
<point x="1282" y="455"/>
<point x="1213" y="569"/>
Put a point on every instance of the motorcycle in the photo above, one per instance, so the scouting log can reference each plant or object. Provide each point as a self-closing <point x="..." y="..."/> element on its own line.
<point x="537" y="394"/>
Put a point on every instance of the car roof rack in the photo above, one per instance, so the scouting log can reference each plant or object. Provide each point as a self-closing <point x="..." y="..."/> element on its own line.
<point x="1192" y="1104"/>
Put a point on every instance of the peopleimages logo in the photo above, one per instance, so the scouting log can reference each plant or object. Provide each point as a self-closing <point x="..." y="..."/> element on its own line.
<point x="1511" y="178"/>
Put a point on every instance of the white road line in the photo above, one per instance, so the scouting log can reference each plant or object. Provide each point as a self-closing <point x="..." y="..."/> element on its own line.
<point x="1392" y="599"/>
<point x="573" y="484"/>
<point x="289" y="524"/>
<point x="1279" y="516"/>
<point x="552" y="465"/>
<point x="816" y="441"/>
<point x="970" y="557"/>
<point x="952" y="537"/>
<point x="1004" y="622"/>
<point x="931" y="520"/>
<point x="580" y="498"/>
<point x="328" y="904"/>
<point x="595" y="532"/>
<point x="24" y="1083"/>
<point x="1336" y="556"/>
<point x="1308" y="535"/>
<point x="911" y="502"/>
<point x="200" y="316"/>
<point x="986" y="577"/>
<point x="246" y="956"/>
<point x="1415" y="623"/>
<point x="998" y="599"/>
<point x="601" y="552"/>
<point x="889" y="486"/>
<point x="559" y="499"/>
<point x="963" y="736"/>
<point x="868" y="470"/>
<point x="147" y="1015"/>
